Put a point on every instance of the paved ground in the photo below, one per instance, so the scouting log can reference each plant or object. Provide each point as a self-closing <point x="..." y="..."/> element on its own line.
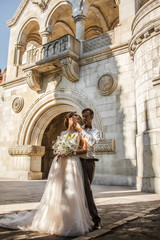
<point x="126" y="213"/>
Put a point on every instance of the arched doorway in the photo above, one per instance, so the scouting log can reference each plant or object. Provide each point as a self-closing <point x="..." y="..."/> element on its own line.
<point x="54" y="128"/>
<point x="38" y="125"/>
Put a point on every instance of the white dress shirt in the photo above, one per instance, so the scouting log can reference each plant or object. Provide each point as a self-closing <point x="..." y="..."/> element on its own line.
<point x="92" y="137"/>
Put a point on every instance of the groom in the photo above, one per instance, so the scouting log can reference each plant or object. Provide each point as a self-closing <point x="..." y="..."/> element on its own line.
<point x="92" y="136"/>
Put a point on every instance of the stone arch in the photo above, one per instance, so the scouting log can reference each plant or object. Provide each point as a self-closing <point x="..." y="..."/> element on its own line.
<point x="28" y="33"/>
<point x="103" y="16"/>
<point x="47" y="107"/>
<point x="60" y="20"/>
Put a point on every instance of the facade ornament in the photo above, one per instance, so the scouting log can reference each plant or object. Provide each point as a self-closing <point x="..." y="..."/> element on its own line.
<point x="117" y="2"/>
<point x="17" y="104"/>
<point x="29" y="150"/>
<point x="105" y="145"/>
<point x="34" y="80"/>
<point x="45" y="34"/>
<point x="106" y="84"/>
<point x="41" y="3"/>
<point x="70" y="68"/>
<point x="56" y="80"/>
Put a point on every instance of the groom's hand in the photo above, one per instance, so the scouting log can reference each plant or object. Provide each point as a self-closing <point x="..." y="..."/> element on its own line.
<point x="78" y="127"/>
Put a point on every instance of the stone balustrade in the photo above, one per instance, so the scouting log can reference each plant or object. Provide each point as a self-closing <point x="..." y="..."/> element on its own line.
<point x="103" y="41"/>
<point x="63" y="53"/>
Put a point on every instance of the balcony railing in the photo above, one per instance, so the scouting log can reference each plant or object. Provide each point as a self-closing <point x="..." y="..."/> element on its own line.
<point x="63" y="53"/>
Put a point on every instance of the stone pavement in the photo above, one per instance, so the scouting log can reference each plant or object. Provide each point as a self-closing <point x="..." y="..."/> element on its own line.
<point x="124" y="211"/>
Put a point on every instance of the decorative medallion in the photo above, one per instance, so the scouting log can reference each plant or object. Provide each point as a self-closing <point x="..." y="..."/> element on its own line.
<point x="107" y="84"/>
<point x="17" y="104"/>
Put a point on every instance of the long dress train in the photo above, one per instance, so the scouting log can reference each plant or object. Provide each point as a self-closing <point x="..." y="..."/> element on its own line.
<point x="63" y="209"/>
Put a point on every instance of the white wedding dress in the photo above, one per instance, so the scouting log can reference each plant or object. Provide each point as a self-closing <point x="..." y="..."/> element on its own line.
<point x="63" y="209"/>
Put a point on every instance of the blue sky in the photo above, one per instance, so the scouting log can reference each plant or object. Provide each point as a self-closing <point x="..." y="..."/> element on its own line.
<point x="7" y="10"/>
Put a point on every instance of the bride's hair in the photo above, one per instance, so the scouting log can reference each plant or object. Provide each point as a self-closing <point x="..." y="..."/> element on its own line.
<point x="66" y="118"/>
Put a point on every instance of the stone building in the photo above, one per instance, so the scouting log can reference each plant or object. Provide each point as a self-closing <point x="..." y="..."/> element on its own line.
<point x="66" y="55"/>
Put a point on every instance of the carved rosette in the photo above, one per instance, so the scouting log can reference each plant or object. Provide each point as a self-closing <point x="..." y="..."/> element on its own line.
<point x="29" y="150"/>
<point x="17" y="104"/>
<point x="106" y="84"/>
<point x="70" y="69"/>
<point x="34" y="80"/>
<point x="105" y="146"/>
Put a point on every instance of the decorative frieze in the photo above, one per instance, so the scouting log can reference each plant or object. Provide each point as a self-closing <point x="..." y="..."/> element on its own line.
<point x="105" y="146"/>
<point x="17" y="104"/>
<point x="29" y="150"/>
<point x="138" y="39"/>
<point x="106" y="84"/>
<point x="34" y="80"/>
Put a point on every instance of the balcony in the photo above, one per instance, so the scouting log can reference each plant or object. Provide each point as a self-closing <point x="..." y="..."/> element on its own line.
<point x="63" y="53"/>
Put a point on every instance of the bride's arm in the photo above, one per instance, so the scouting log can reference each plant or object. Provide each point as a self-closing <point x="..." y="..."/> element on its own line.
<point x="82" y="149"/>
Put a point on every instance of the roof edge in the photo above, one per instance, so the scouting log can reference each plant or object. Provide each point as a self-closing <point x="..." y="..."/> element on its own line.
<point x="16" y="15"/>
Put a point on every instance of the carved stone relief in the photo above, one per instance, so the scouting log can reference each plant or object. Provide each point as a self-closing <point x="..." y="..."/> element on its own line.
<point x="41" y="3"/>
<point x="17" y="104"/>
<point x="34" y="80"/>
<point x="106" y="84"/>
<point x="56" y="80"/>
<point x="70" y="69"/>
<point x="29" y="150"/>
<point x="105" y="145"/>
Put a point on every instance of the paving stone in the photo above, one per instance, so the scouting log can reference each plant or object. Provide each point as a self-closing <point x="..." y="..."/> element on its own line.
<point x="117" y="206"/>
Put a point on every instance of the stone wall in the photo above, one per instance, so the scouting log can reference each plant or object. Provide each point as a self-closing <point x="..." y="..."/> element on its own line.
<point x="120" y="84"/>
<point x="145" y="51"/>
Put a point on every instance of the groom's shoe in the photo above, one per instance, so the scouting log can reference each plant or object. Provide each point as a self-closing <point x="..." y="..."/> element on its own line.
<point x="96" y="226"/>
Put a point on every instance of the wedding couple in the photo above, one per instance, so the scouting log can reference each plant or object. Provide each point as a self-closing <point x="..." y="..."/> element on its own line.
<point x="67" y="202"/>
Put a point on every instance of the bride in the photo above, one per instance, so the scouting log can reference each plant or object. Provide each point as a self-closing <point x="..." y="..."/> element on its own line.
<point x="63" y="209"/>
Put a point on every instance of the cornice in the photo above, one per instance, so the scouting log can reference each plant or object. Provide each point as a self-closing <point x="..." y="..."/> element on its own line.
<point x="148" y="31"/>
<point x="143" y="11"/>
<point x="29" y="150"/>
<point x="14" y="83"/>
<point x="19" y="10"/>
<point x="103" y="54"/>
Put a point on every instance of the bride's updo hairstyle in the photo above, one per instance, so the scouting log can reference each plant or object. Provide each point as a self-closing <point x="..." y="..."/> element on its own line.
<point x="66" y="118"/>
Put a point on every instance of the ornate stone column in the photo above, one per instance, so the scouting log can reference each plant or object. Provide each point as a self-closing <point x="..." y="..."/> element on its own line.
<point x="18" y="47"/>
<point x="80" y="20"/>
<point x="45" y="34"/>
<point x="17" y="57"/>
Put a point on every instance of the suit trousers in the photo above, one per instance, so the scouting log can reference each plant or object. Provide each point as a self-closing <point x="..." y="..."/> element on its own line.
<point x="88" y="166"/>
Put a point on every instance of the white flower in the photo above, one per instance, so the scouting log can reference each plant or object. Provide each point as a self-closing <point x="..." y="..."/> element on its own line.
<point x="64" y="145"/>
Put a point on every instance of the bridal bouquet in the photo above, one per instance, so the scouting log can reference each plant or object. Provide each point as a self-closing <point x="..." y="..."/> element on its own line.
<point x="64" y="145"/>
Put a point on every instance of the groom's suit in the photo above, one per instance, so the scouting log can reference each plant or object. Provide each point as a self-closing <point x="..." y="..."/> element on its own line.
<point x="91" y="136"/>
